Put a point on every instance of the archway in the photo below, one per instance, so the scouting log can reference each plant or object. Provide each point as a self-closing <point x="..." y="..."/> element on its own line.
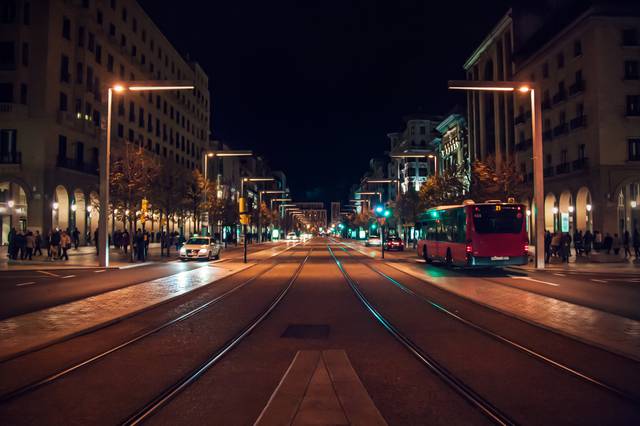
<point x="80" y="211"/>
<point x="60" y="208"/>
<point x="584" y="221"/>
<point x="13" y="209"/>
<point x="550" y="212"/>
<point x="566" y="208"/>
<point x="629" y="206"/>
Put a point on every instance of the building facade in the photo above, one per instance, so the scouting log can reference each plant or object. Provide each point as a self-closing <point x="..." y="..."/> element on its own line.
<point x="585" y="61"/>
<point x="51" y="121"/>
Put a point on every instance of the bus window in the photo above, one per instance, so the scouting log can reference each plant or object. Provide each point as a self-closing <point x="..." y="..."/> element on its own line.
<point x="491" y="220"/>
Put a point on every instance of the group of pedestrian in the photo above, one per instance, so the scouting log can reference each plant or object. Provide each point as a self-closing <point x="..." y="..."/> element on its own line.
<point x="558" y="244"/>
<point x="25" y="245"/>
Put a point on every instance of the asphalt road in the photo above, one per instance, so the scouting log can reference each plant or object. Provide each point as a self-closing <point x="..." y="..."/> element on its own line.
<point x="524" y="388"/>
<point x="30" y="290"/>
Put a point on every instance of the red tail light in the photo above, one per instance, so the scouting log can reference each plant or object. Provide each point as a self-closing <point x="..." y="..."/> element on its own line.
<point x="526" y="248"/>
<point x="469" y="248"/>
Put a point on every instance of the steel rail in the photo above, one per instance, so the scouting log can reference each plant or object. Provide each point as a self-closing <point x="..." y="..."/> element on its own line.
<point x="173" y="390"/>
<point x="483" y="405"/>
<point x="66" y="371"/>
<point x="536" y="355"/>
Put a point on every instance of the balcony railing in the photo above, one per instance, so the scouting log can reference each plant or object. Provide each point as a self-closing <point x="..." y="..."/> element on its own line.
<point x="563" y="168"/>
<point x="559" y="97"/>
<point x="560" y="129"/>
<point x="11" y="158"/>
<point x="580" y="164"/>
<point x="548" y="171"/>
<point x="576" y="88"/>
<point x="547" y="135"/>
<point x="81" y="166"/>
<point x="578" y="122"/>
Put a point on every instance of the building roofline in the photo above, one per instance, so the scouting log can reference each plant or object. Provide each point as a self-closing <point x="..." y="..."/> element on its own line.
<point x="497" y="29"/>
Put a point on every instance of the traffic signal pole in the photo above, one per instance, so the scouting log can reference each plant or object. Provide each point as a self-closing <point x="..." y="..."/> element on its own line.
<point x="382" y="240"/>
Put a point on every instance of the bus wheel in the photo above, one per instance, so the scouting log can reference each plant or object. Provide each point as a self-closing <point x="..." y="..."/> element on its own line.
<point x="424" y="255"/>
<point x="449" y="260"/>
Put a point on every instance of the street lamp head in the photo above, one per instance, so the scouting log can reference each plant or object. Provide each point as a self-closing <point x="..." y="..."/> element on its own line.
<point x="589" y="207"/>
<point x="524" y="89"/>
<point x="118" y="88"/>
<point x="55" y="205"/>
<point x="431" y="156"/>
<point x="210" y="154"/>
<point x="11" y="203"/>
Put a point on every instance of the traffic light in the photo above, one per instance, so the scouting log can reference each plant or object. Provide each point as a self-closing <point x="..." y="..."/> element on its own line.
<point x="382" y="211"/>
<point x="374" y="226"/>
<point x="379" y="210"/>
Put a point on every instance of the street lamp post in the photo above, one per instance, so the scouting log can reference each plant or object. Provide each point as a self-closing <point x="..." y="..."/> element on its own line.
<point x="260" y="208"/>
<point x="536" y="129"/>
<point x="244" y="225"/>
<point x="105" y="153"/>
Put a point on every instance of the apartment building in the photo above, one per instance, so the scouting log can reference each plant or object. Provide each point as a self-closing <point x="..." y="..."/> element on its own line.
<point x="57" y="59"/>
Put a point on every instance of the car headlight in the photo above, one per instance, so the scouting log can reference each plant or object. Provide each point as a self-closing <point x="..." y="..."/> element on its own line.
<point x="183" y="250"/>
<point x="202" y="251"/>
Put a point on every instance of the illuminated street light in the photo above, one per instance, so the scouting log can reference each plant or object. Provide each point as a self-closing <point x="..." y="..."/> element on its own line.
<point x="378" y="193"/>
<point x="11" y="203"/>
<point x="55" y="205"/>
<point x="536" y="133"/>
<point x="589" y="207"/>
<point x="105" y="150"/>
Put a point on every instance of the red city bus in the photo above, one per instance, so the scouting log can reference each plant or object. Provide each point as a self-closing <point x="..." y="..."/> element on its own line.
<point x="485" y="234"/>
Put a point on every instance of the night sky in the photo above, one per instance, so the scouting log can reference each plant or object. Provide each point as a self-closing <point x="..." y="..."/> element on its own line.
<point x="316" y="86"/>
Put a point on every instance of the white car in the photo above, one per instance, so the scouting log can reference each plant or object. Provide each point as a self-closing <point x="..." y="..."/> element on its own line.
<point x="200" y="248"/>
<point x="373" y="241"/>
<point x="291" y="236"/>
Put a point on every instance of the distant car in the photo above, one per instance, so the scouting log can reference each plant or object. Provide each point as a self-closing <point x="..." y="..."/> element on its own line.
<point x="394" y="243"/>
<point x="292" y="236"/>
<point x="373" y="241"/>
<point x="199" y="248"/>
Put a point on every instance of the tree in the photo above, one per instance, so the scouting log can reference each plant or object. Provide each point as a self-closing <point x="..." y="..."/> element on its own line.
<point x="488" y="181"/>
<point x="133" y="171"/>
<point x="446" y="188"/>
<point x="408" y="207"/>
<point x="167" y="192"/>
<point x="196" y="187"/>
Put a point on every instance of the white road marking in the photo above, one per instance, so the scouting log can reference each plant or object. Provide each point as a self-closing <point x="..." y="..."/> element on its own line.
<point x="49" y="273"/>
<point x="560" y="275"/>
<point x="68" y="276"/>
<point x="598" y="281"/>
<point x="98" y="271"/>
<point x="534" y="280"/>
<point x="23" y="284"/>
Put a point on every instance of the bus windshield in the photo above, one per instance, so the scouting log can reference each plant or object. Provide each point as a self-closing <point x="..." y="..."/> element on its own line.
<point x="497" y="219"/>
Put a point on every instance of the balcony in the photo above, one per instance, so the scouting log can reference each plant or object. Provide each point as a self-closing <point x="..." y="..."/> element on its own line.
<point x="11" y="158"/>
<point x="559" y="97"/>
<point x="547" y="135"/>
<point x="80" y="166"/>
<point x="560" y="129"/>
<point x="577" y="87"/>
<point x="548" y="171"/>
<point x="524" y="145"/>
<point x="580" y="164"/>
<point x="519" y="119"/>
<point x="563" y="168"/>
<point x="578" y="122"/>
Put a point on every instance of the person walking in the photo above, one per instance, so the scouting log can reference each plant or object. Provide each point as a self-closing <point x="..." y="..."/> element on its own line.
<point x="615" y="245"/>
<point x="37" y="251"/>
<point x="30" y="243"/>
<point x="76" y="238"/>
<point x="125" y="241"/>
<point x="547" y="246"/>
<point x="626" y="243"/>
<point x="47" y="243"/>
<point x="65" y="245"/>
<point x="588" y="242"/>
<point x="139" y="242"/>
<point x="21" y="239"/>
<point x="95" y="239"/>
<point x="636" y="243"/>
<point x="12" y="243"/>
<point x="608" y="242"/>
<point x="555" y="244"/>
<point x="55" y="244"/>
<point x="565" y="243"/>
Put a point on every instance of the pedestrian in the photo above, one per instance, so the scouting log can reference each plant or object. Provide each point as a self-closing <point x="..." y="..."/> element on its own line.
<point x="47" y="243"/>
<point x="615" y="244"/>
<point x="125" y="241"/>
<point x="607" y="243"/>
<point x="597" y="244"/>
<point x="55" y="244"/>
<point x="626" y="243"/>
<point x="95" y="239"/>
<point x="588" y="242"/>
<point x="21" y="240"/>
<point x="65" y="245"/>
<point x="76" y="238"/>
<point x="139" y="245"/>
<point x="636" y="243"/>
<point x="565" y="243"/>
<point x="37" y="251"/>
<point x="547" y="246"/>
<point x="30" y="243"/>
<point x="555" y="244"/>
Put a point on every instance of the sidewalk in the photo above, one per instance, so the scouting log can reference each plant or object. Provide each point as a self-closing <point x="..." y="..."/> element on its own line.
<point x="34" y="330"/>
<point x="85" y="258"/>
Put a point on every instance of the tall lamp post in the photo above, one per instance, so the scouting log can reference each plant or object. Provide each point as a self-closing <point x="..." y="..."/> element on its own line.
<point x="280" y="192"/>
<point x="214" y="155"/>
<point x="105" y="152"/>
<point x="536" y="130"/>
<point x="244" y="225"/>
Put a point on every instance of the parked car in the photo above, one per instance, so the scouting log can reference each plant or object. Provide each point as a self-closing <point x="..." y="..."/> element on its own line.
<point x="394" y="243"/>
<point x="199" y="248"/>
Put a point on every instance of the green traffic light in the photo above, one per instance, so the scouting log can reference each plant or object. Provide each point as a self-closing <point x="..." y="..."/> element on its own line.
<point x="374" y="226"/>
<point x="387" y="213"/>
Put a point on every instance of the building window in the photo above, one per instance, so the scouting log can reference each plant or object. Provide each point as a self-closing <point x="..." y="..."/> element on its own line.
<point x="64" y="69"/>
<point x="89" y="79"/>
<point x="79" y="72"/>
<point x="134" y="25"/>
<point x="577" y="48"/>
<point x="582" y="152"/>
<point x="122" y="72"/>
<point x="109" y="63"/>
<point x="6" y="92"/>
<point x="630" y="37"/>
<point x="113" y="4"/>
<point x="7" y="55"/>
<point x="134" y="50"/>
<point x="120" y="131"/>
<point x="92" y="42"/>
<point x="124" y="14"/>
<point x="123" y="40"/>
<point x="23" y="94"/>
<point x="66" y="28"/>
<point x="81" y="36"/>
<point x="99" y="16"/>
<point x="631" y="70"/>
<point x="633" y="105"/>
<point x="62" y="147"/>
<point x="634" y="149"/>
<point x="545" y="70"/>
<point x="25" y="54"/>
<point x="26" y="14"/>
<point x="98" y="54"/>
<point x="560" y="60"/>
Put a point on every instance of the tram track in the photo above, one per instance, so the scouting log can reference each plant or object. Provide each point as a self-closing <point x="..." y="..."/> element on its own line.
<point x="480" y="402"/>
<point x="51" y="378"/>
